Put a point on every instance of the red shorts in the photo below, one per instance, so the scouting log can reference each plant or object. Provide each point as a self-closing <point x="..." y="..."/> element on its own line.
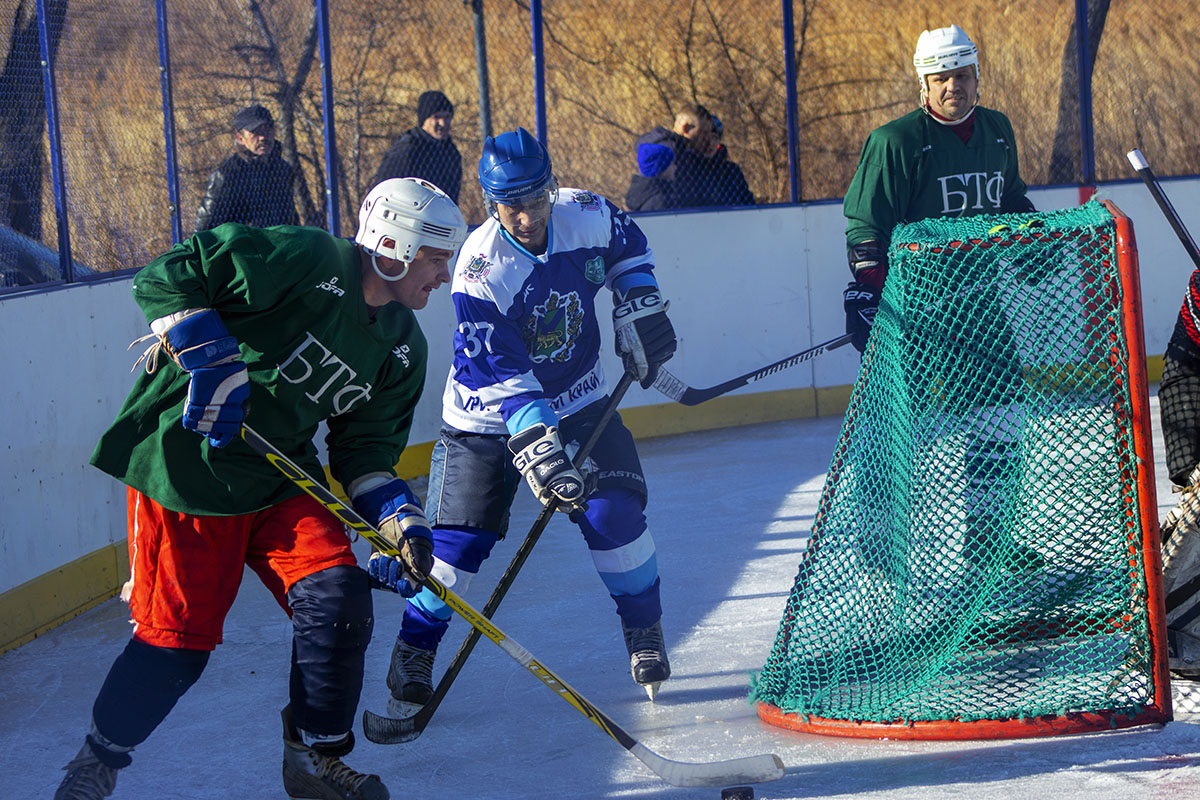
<point x="186" y="569"/>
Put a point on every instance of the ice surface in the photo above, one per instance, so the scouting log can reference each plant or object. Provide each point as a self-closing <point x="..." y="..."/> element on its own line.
<point x="730" y="511"/>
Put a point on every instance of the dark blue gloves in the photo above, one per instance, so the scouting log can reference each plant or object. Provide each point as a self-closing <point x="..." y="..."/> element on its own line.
<point x="219" y="390"/>
<point x="396" y="513"/>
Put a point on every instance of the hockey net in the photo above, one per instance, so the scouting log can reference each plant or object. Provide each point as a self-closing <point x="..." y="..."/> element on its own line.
<point x="984" y="558"/>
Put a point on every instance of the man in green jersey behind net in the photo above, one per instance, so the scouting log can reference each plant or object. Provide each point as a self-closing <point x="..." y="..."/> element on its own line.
<point x="949" y="158"/>
<point x="285" y="327"/>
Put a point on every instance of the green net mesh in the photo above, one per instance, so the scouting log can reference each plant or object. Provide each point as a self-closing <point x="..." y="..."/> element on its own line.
<point x="976" y="553"/>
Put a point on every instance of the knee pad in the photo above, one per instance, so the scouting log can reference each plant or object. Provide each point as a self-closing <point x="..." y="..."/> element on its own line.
<point x="333" y="608"/>
<point x="332" y="619"/>
<point x="142" y="687"/>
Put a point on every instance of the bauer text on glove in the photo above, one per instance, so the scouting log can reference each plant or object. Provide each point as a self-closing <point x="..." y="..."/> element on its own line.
<point x="860" y="302"/>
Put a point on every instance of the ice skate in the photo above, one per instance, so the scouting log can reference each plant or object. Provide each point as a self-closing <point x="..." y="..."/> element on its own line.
<point x="312" y="775"/>
<point x="647" y="656"/>
<point x="87" y="778"/>
<point x="409" y="679"/>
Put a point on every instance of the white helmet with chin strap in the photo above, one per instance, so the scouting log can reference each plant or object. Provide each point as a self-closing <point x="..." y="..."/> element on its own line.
<point x="944" y="49"/>
<point x="401" y="215"/>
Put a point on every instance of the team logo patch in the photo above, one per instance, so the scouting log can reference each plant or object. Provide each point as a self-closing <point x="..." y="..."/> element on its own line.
<point x="477" y="269"/>
<point x="593" y="269"/>
<point x="587" y="201"/>
<point x="552" y="328"/>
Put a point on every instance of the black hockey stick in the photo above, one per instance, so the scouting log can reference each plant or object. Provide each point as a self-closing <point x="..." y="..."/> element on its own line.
<point x="392" y="730"/>
<point x="748" y="769"/>
<point x="1142" y="166"/>
<point x="681" y="393"/>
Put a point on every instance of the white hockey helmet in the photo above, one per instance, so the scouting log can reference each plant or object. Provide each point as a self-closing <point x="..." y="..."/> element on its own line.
<point x="944" y="49"/>
<point x="401" y="215"/>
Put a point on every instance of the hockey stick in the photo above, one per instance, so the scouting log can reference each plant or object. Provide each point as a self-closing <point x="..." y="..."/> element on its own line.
<point x="748" y="769"/>
<point x="1142" y="166"/>
<point x="681" y="393"/>
<point x="392" y="730"/>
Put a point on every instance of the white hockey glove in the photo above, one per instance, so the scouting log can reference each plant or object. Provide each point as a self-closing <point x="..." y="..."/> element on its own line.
<point x="541" y="458"/>
<point x="645" y="338"/>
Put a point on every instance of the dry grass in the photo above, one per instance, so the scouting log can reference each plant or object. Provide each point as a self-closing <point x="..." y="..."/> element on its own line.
<point x="615" y="68"/>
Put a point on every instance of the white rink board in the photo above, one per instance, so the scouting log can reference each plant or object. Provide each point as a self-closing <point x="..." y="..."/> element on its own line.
<point x="747" y="287"/>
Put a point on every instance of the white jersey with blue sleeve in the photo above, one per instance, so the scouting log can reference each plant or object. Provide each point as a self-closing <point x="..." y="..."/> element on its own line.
<point x="528" y="335"/>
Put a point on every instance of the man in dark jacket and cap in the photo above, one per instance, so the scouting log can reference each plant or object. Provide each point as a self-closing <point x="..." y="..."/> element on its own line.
<point x="254" y="185"/>
<point x="427" y="150"/>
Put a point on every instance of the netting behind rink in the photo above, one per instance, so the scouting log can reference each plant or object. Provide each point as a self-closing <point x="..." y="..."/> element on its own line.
<point x="979" y="558"/>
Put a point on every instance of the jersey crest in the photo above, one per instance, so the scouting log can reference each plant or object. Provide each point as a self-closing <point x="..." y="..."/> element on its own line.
<point x="553" y="327"/>
<point x="587" y="201"/>
<point x="477" y="269"/>
<point x="593" y="269"/>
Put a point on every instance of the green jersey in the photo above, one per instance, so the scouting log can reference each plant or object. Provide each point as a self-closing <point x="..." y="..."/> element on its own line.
<point x="292" y="297"/>
<point x="915" y="168"/>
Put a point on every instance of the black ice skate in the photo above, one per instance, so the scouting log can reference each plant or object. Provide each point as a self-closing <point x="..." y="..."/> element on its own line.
<point x="87" y="778"/>
<point x="647" y="656"/>
<point x="310" y="774"/>
<point x="409" y="679"/>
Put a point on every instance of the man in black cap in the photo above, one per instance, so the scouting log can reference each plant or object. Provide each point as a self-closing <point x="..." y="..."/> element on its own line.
<point x="254" y="185"/>
<point x="426" y="150"/>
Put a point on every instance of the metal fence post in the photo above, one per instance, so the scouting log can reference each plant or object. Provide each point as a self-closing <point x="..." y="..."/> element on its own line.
<point x="1087" y="144"/>
<point x="789" y="72"/>
<point x="168" y="105"/>
<point x="539" y="70"/>
<point x="327" y="117"/>
<point x="50" y="89"/>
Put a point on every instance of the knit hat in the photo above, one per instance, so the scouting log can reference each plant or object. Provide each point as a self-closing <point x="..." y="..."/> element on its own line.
<point x="653" y="159"/>
<point x="430" y="103"/>
<point x="251" y="117"/>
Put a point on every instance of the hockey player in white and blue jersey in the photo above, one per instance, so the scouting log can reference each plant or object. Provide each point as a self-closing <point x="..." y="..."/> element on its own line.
<point x="527" y="384"/>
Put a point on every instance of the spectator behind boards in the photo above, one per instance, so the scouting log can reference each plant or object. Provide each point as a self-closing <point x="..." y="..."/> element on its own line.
<point x="652" y="187"/>
<point x="426" y="150"/>
<point x="686" y="167"/>
<point x="254" y="185"/>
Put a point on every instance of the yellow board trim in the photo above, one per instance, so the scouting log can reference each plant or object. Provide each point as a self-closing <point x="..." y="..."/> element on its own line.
<point x="29" y="610"/>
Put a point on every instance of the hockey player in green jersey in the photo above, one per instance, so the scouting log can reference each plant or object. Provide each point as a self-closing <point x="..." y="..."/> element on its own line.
<point x="292" y="327"/>
<point x="949" y="158"/>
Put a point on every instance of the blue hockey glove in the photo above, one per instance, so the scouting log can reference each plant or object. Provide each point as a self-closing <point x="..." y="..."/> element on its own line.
<point x="219" y="389"/>
<point x="396" y="512"/>
<point x="860" y="301"/>
<point x="645" y="338"/>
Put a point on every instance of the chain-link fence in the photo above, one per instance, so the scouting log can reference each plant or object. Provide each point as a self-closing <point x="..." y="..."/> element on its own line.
<point x="117" y="117"/>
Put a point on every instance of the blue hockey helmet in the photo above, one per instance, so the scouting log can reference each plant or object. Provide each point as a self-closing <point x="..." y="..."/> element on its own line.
<point x="514" y="168"/>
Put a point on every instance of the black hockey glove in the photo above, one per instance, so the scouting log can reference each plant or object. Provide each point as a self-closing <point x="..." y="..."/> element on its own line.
<point x="861" y="301"/>
<point x="645" y="338"/>
<point x="541" y="458"/>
